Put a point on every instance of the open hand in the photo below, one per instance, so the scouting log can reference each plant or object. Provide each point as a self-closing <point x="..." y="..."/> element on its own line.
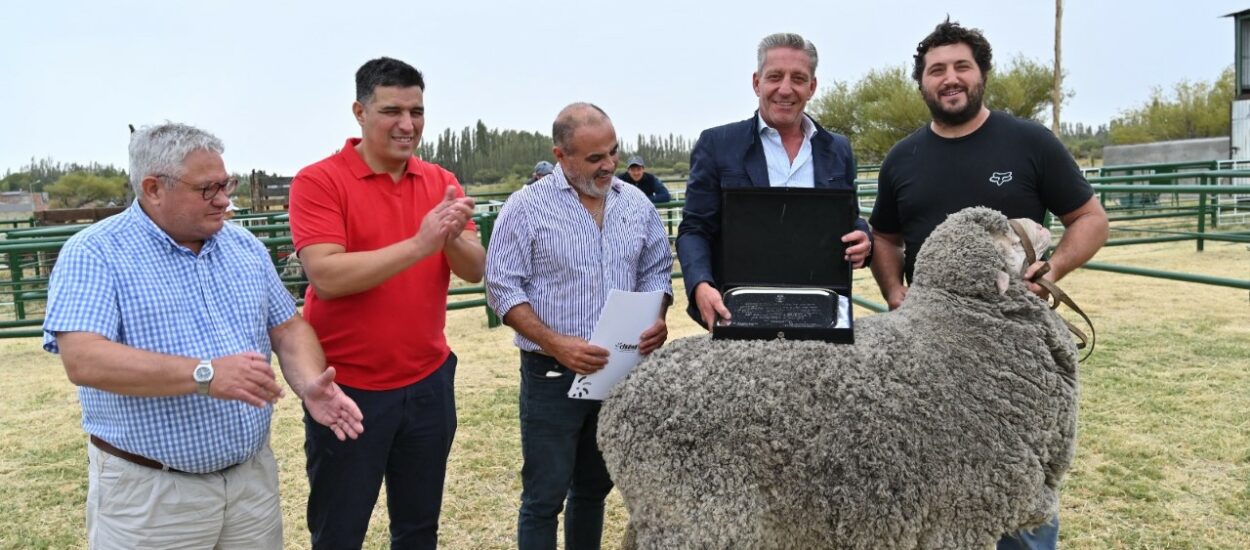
<point x="330" y="407"/>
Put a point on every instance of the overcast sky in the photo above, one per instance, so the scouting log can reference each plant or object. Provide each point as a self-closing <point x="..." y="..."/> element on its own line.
<point x="275" y="79"/>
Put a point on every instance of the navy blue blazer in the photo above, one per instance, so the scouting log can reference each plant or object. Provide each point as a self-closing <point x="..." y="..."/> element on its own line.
<point x="733" y="156"/>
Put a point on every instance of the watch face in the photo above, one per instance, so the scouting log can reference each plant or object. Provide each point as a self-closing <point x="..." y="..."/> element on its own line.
<point x="203" y="373"/>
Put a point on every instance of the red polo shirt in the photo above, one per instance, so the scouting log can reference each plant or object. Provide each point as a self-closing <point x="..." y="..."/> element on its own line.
<point x="391" y="335"/>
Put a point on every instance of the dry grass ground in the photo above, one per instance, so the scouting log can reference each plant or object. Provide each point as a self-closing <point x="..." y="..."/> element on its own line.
<point x="1163" y="458"/>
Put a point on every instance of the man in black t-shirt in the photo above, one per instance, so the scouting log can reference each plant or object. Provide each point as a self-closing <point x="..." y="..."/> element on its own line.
<point x="651" y="186"/>
<point x="969" y="156"/>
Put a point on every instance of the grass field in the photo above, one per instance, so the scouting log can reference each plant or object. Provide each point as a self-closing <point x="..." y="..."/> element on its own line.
<point x="1163" y="457"/>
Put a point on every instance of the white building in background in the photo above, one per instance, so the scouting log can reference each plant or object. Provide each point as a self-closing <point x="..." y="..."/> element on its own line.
<point x="20" y="205"/>
<point x="1240" y="146"/>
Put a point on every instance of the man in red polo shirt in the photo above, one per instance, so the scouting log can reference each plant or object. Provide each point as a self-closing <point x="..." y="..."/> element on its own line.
<point x="378" y="232"/>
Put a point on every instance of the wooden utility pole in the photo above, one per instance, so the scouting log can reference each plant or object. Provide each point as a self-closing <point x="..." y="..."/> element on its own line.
<point x="1056" y="95"/>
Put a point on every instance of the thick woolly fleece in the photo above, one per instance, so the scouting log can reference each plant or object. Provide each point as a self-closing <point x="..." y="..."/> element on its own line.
<point x="949" y="422"/>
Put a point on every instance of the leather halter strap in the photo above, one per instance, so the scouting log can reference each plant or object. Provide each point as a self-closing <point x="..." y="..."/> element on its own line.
<point x="1057" y="296"/>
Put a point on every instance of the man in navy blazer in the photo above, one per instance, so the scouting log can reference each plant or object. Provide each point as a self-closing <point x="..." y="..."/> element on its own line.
<point x="779" y="147"/>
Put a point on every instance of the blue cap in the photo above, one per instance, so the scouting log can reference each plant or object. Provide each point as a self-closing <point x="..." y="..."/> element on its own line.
<point x="543" y="168"/>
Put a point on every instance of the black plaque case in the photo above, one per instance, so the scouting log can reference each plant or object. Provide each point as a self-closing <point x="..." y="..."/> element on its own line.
<point x="786" y="238"/>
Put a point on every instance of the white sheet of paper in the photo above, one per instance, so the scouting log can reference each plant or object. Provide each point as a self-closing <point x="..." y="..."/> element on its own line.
<point x="624" y="317"/>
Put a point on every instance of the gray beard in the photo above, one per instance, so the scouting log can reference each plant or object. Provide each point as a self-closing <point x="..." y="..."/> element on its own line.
<point x="587" y="187"/>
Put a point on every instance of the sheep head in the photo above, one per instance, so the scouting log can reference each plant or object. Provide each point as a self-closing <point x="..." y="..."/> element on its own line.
<point x="1012" y="247"/>
<point x="975" y="252"/>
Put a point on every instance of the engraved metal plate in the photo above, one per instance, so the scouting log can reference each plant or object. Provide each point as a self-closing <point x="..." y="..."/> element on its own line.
<point x="781" y="308"/>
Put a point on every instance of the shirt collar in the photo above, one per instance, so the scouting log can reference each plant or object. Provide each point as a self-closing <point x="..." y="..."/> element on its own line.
<point x="148" y="226"/>
<point x="808" y="126"/>
<point x="357" y="165"/>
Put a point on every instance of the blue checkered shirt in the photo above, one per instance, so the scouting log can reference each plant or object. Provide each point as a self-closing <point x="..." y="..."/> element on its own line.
<point x="547" y="251"/>
<point x="126" y="279"/>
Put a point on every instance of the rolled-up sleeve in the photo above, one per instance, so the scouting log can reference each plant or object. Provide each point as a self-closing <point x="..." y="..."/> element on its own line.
<point x="508" y="258"/>
<point x="655" y="263"/>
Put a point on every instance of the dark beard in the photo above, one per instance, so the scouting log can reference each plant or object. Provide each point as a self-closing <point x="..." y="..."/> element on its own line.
<point x="946" y="118"/>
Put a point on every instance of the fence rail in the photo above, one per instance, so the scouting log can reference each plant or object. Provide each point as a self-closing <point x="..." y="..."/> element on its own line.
<point x="1145" y="203"/>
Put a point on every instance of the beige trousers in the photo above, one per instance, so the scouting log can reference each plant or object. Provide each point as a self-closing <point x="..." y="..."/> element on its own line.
<point x="135" y="507"/>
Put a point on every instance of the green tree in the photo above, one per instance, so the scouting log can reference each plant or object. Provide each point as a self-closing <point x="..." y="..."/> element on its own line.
<point x="1023" y="89"/>
<point x="19" y="181"/>
<point x="1192" y="110"/>
<point x="76" y="189"/>
<point x="37" y="175"/>
<point x="1084" y="142"/>
<point x="479" y="154"/>
<point x="885" y="106"/>
<point x="875" y="113"/>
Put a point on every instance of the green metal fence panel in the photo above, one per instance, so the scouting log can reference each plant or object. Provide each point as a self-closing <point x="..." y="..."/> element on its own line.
<point x="30" y="251"/>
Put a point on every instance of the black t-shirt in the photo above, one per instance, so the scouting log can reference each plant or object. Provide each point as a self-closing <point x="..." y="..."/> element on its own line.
<point x="1012" y="165"/>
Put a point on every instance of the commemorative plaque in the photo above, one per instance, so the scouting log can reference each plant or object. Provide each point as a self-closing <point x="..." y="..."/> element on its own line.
<point x="782" y="264"/>
<point x="782" y="307"/>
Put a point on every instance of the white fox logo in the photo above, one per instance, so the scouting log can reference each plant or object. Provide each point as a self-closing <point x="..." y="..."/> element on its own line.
<point x="999" y="178"/>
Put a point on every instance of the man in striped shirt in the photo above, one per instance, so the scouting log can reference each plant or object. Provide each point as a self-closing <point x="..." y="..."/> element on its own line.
<point x="559" y="246"/>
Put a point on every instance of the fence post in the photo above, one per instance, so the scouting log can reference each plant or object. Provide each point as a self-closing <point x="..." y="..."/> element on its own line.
<point x="1215" y="199"/>
<point x="1214" y="183"/>
<point x="15" y="274"/>
<point x="1202" y="218"/>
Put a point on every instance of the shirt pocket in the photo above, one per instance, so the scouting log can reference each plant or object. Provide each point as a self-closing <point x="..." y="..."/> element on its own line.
<point x="623" y="247"/>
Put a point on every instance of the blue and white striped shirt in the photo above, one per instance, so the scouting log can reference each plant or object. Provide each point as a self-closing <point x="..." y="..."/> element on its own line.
<point x="126" y="279"/>
<point x="546" y="250"/>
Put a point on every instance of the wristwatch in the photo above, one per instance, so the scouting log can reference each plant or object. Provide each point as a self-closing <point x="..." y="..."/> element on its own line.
<point x="203" y="375"/>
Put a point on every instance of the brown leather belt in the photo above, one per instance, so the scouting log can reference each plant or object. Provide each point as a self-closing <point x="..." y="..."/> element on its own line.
<point x="130" y="457"/>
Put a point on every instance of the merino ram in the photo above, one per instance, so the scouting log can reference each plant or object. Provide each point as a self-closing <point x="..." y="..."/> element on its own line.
<point x="949" y="422"/>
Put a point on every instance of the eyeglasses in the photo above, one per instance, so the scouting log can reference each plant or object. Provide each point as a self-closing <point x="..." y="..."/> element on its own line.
<point x="210" y="190"/>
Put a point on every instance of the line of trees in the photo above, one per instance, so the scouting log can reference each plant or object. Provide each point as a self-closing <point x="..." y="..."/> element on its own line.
<point x="478" y="154"/>
<point x="485" y="155"/>
<point x="1191" y="110"/>
<point x="1084" y="142"/>
<point x="42" y="173"/>
<point x="885" y="106"/>
<point x="70" y="185"/>
<point x="875" y="112"/>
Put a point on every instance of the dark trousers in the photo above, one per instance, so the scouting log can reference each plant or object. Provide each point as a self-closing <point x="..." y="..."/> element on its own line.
<point x="1045" y="537"/>
<point x="407" y="437"/>
<point x="561" y="460"/>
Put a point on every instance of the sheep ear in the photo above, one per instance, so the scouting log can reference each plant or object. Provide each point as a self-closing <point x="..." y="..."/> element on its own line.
<point x="1002" y="281"/>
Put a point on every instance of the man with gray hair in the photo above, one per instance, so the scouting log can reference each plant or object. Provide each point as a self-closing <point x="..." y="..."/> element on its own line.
<point x="559" y="247"/>
<point x="779" y="146"/>
<point x="165" y="317"/>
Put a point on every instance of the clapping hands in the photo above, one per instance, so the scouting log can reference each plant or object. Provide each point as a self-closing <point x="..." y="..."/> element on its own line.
<point x="445" y="222"/>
